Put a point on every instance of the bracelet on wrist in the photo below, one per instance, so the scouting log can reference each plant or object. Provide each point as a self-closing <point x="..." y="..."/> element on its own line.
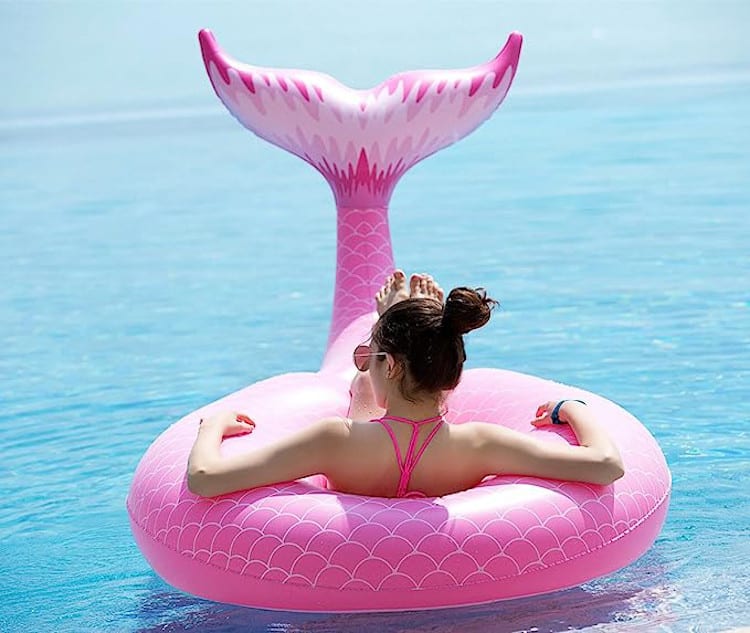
<point x="555" y="415"/>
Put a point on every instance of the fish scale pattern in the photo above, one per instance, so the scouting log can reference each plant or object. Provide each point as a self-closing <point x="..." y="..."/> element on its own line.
<point x="506" y="532"/>
<point x="364" y="259"/>
<point x="361" y="141"/>
<point x="300" y="546"/>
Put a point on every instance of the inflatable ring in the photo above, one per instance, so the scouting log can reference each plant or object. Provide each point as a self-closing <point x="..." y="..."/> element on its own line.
<point x="299" y="546"/>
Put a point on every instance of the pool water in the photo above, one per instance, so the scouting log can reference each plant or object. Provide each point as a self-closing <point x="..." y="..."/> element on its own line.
<point x="151" y="263"/>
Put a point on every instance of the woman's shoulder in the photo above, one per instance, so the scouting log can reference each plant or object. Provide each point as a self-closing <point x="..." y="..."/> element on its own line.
<point x="335" y="424"/>
<point x="364" y="434"/>
<point x="346" y="428"/>
<point x="328" y="430"/>
<point x="472" y="433"/>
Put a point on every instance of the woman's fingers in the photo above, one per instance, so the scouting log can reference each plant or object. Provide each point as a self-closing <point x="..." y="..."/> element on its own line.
<point x="238" y="428"/>
<point x="543" y="414"/>
<point x="544" y="409"/>
<point x="245" y="424"/>
<point x="241" y="417"/>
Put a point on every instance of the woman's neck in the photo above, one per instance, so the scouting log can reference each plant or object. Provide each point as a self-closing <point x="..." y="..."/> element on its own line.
<point x="420" y="410"/>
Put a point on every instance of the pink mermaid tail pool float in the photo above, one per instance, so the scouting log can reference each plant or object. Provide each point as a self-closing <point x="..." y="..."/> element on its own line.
<point x="299" y="546"/>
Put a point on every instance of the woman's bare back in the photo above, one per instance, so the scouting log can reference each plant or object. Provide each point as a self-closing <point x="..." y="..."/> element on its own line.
<point x="369" y="465"/>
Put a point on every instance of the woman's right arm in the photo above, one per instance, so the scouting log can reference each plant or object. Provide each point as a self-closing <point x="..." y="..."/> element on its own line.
<point x="310" y="451"/>
<point x="596" y="460"/>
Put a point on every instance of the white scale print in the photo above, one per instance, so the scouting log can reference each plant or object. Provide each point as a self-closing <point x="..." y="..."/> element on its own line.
<point x="299" y="534"/>
<point x="412" y="533"/>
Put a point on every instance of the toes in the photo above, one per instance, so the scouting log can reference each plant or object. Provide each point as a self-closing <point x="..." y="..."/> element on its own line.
<point x="392" y="291"/>
<point x="432" y="289"/>
<point x="385" y="289"/>
<point x="414" y="283"/>
<point x="399" y="280"/>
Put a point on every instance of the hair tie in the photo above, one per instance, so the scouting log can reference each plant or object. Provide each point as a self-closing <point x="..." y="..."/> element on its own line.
<point x="446" y="322"/>
<point x="446" y="325"/>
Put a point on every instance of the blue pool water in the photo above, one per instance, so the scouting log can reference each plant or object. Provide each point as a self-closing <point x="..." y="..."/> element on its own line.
<point x="150" y="256"/>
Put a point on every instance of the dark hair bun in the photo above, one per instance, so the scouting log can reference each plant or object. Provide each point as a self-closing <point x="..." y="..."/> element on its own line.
<point x="467" y="309"/>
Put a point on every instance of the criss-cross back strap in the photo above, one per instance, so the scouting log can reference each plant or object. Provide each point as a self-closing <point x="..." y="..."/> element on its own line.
<point x="410" y="460"/>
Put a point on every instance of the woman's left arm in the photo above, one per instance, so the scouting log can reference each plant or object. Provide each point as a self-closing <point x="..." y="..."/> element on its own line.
<point x="307" y="452"/>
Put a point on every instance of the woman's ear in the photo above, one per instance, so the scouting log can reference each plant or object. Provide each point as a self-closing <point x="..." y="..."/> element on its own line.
<point x="394" y="367"/>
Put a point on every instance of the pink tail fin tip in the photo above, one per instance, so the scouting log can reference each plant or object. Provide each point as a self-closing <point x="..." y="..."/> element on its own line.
<point x="362" y="141"/>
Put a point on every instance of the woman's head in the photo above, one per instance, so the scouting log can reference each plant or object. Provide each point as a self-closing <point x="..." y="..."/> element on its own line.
<point x="425" y="339"/>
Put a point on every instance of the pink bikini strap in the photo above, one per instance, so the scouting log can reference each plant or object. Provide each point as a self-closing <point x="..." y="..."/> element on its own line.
<point x="409" y="462"/>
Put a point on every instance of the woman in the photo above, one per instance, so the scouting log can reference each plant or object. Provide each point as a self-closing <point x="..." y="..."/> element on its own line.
<point x="395" y="442"/>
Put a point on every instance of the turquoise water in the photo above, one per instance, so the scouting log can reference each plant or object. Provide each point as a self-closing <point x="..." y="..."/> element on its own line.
<point x="150" y="262"/>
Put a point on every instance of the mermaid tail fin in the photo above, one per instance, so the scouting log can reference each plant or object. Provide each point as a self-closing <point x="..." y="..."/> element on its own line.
<point x="362" y="141"/>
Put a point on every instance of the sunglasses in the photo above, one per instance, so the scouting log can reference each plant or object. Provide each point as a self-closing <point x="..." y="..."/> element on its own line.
<point x="362" y="355"/>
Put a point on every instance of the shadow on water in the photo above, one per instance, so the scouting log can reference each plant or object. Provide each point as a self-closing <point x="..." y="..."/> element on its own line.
<point x="643" y="592"/>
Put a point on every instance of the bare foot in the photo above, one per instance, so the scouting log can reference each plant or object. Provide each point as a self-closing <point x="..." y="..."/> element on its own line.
<point x="421" y="286"/>
<point x="394" y="290"/>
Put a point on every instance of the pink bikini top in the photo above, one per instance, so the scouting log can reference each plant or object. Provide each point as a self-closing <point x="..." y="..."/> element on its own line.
<point x="409" y="462"/>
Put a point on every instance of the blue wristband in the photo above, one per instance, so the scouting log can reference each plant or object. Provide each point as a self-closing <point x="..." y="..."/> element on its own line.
<point x="555" y="415"/>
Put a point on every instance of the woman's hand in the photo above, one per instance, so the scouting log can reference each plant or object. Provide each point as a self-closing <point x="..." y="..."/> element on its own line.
<point x="310" y="451"/>
<point x="595" y="459"/>
<point x="229" y="423"/>
<point x="544" y="414"/>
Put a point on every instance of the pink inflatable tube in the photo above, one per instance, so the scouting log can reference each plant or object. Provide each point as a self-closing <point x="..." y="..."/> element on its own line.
<point x="298" y="546"/>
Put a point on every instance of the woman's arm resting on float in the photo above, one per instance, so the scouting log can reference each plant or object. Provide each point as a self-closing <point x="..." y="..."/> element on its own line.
<point x="595" y="461"/>
<point x="307" y="452"/>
